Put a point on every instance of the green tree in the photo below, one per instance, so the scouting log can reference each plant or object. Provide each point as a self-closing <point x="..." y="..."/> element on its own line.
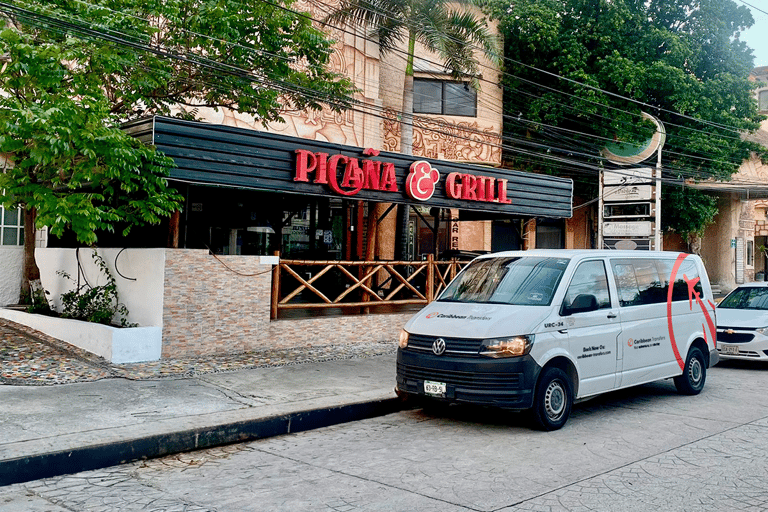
<point x="73" y="70"/>
<point x="680" y="60"/>
<point x="453" y="34"/>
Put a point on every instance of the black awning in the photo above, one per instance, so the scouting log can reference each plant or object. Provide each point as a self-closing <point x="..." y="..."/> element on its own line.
<point x="236" y="157"/>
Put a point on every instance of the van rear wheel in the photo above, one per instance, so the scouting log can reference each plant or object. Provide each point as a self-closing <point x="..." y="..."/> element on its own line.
<point x="553" y="399"/>
<point x="691" y="382"/>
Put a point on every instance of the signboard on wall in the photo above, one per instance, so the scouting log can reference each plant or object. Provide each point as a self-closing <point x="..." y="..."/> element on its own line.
<point x="624" y="177"/>
<point x="630" y="229"/>
<point x="614" y="193"/>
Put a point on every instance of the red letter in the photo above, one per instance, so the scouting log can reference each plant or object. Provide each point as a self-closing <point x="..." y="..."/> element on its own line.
<point x="503" y="192"/>
<point x="321" y="175"/>
<point x="489" y="196"/>
<point x="453" y="189"/>
<point x="372" y="171"/>
<point x="388" y="179"/>
<point x="333" y="163"/>
<point x="353" y="176"/>
<point x="470" y="185"/>
<point x="481" y="188"/>
<point x="303" y="165"/>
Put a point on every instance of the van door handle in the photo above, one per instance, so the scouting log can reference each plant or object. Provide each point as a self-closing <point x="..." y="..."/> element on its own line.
<point x="612" y="315"/>
<point x="563" y="331"/>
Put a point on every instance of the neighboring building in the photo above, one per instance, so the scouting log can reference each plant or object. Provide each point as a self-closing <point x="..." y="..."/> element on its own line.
<point x="731" y="245"/>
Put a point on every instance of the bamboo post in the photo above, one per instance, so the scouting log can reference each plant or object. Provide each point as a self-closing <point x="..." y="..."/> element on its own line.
<point x="275" y="298"/>
<point x="430" y="291"/>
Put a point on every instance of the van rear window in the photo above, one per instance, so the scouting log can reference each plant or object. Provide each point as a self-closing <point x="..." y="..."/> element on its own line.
<point x="527" y="281"/>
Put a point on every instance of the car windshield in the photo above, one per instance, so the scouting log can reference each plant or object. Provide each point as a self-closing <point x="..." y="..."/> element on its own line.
<point x="528" y="281"/>
<point x="747" y="297"/>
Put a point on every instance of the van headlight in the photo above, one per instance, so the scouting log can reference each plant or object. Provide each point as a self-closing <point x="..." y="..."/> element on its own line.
<point x="403" y="342"/>
<point x="762" y="330"/>
<point x="512" y="346"/>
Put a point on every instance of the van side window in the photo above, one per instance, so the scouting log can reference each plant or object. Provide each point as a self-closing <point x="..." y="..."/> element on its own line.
<point x="589" y="278"/>
<point x="687" y="270"/>
<point x="639" y="282"/>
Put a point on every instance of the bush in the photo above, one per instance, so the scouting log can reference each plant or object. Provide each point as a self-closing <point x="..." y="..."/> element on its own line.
<point x="99" y="304"/>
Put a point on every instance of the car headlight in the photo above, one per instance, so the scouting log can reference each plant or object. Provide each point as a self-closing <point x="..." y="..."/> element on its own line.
<point x="403" y="342"/>
<point x="762" y="330"/>
<point x="512" y="346"/>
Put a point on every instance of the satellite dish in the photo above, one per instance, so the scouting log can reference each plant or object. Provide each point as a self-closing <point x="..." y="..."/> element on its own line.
<point x="626" y="153"/>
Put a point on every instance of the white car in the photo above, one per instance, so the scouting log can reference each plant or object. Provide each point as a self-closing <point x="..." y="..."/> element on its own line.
<point x="742" y="323"/>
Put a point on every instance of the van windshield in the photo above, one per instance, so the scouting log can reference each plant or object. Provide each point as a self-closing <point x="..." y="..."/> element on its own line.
<point x="526" y="281"/>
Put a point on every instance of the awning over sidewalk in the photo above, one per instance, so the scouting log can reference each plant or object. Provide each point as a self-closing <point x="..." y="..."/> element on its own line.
<point x="240" y="158"/>
<point x="745" y="190"/>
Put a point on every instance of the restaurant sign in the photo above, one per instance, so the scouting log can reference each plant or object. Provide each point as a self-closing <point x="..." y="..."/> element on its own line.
<point x="228" y="156"/>
<point x="347" y="176"/>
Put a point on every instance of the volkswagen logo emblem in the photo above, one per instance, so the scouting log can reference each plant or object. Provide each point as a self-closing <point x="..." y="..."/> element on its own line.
<point x="438" y="347"/>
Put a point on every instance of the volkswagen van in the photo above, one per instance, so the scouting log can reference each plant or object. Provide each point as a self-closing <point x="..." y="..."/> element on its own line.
<point x="542" y="329"/>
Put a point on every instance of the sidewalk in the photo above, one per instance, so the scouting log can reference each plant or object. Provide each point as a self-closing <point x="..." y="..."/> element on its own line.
<point x="65" y="410"/>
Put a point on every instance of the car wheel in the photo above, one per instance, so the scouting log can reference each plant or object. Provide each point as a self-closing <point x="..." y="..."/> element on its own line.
<point x="553" y="399"/>
<point x="691" y="382"/>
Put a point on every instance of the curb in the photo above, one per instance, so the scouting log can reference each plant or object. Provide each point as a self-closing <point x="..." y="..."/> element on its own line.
<point x="25" y="469"/>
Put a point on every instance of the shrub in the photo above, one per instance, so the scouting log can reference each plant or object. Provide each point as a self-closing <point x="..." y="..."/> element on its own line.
<point x="99" y="304"/>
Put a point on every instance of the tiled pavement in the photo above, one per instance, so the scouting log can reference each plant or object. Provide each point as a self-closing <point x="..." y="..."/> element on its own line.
<point x="31" y="358"/>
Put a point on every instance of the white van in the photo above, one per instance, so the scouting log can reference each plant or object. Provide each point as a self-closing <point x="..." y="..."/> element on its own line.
<point x="541" y="329"/>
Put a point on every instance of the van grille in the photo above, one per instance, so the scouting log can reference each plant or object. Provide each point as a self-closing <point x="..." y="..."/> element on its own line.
<point x="481" y="381"/>
<point x="452" y="345"/>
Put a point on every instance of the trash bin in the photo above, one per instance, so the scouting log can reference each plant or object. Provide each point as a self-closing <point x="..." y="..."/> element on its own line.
<point x="759" y="276"/>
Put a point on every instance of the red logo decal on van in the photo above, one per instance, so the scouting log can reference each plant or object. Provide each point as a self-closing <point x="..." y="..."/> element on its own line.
<point x="693" y="295"/>
<point x="432" y="315"/>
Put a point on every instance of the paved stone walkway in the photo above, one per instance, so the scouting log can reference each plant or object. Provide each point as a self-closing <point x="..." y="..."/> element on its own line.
<point x="31" y="358"/>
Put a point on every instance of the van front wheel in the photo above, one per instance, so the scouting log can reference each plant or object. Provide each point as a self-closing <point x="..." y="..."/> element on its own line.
<point x="691" y="382"/>
<point x="553" y="399"/>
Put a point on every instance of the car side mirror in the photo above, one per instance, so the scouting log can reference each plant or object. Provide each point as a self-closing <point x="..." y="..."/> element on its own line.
<point x="583" y="303"/>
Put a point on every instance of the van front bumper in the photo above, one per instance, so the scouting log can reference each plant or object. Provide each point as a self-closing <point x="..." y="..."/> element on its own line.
<point x="503" y="382"/>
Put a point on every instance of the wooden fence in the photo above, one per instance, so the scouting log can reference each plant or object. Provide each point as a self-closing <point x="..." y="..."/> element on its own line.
<point x="315" y="285"/>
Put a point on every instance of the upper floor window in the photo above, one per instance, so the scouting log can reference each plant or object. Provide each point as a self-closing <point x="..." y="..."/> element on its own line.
<point x="763" y="101"/>
<point x="11" y="227"/>
<point x="444" y="97"/>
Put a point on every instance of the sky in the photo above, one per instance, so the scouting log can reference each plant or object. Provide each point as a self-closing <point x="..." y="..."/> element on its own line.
<point x="757" y="36"/>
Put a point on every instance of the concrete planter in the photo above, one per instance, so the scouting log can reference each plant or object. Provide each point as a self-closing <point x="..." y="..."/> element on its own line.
<point x="115" y="344"/>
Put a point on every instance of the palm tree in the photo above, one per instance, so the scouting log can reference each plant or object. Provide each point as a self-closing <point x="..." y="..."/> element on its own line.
<point x="451" y="34"/>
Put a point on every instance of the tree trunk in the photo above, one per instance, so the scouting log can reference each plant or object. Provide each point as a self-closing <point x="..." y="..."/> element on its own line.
<point x="406" y="146"/>
<point x="31" y="271"/>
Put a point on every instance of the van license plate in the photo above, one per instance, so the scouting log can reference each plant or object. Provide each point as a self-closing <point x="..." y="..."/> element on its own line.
<point x="434" y="388"/>
<point x="730" y="349"/>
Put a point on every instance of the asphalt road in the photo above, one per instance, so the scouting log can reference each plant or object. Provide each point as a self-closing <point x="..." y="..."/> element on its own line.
<point x="645" y="449"/>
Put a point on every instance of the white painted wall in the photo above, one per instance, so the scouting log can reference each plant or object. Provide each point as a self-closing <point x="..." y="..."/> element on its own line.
<point x="139" y="280"/>
<point x="11" y="262"/>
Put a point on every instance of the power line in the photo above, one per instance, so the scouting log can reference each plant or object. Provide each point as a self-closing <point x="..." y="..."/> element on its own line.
<point x="513" y="148"/>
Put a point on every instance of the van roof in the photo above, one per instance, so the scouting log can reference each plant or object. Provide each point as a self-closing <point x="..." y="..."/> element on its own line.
<point x="574" y="253"/>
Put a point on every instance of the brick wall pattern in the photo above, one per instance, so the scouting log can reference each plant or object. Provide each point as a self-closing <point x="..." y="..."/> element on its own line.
<point x="216" y="305"/>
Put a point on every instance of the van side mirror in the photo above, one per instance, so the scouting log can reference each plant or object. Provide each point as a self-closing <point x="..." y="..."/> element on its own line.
<point x="581" y="304"/>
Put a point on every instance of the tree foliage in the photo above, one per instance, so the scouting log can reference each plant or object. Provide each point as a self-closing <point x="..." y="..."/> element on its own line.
<point x="452" y="31"/>
<point x="679" y="60"/>
<point x="71" y="71"/>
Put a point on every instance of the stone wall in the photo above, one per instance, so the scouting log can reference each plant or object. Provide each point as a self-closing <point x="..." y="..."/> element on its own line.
<point x="220" y="305"/>
<point x="214" y="304"/>
<point x="337" y="330"/>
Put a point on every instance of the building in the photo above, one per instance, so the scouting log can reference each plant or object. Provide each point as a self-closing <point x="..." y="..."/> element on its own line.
<point x="317" y="188"/>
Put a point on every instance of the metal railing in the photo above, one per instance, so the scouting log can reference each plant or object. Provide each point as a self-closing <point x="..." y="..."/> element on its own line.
<point x="317" y="285"/>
